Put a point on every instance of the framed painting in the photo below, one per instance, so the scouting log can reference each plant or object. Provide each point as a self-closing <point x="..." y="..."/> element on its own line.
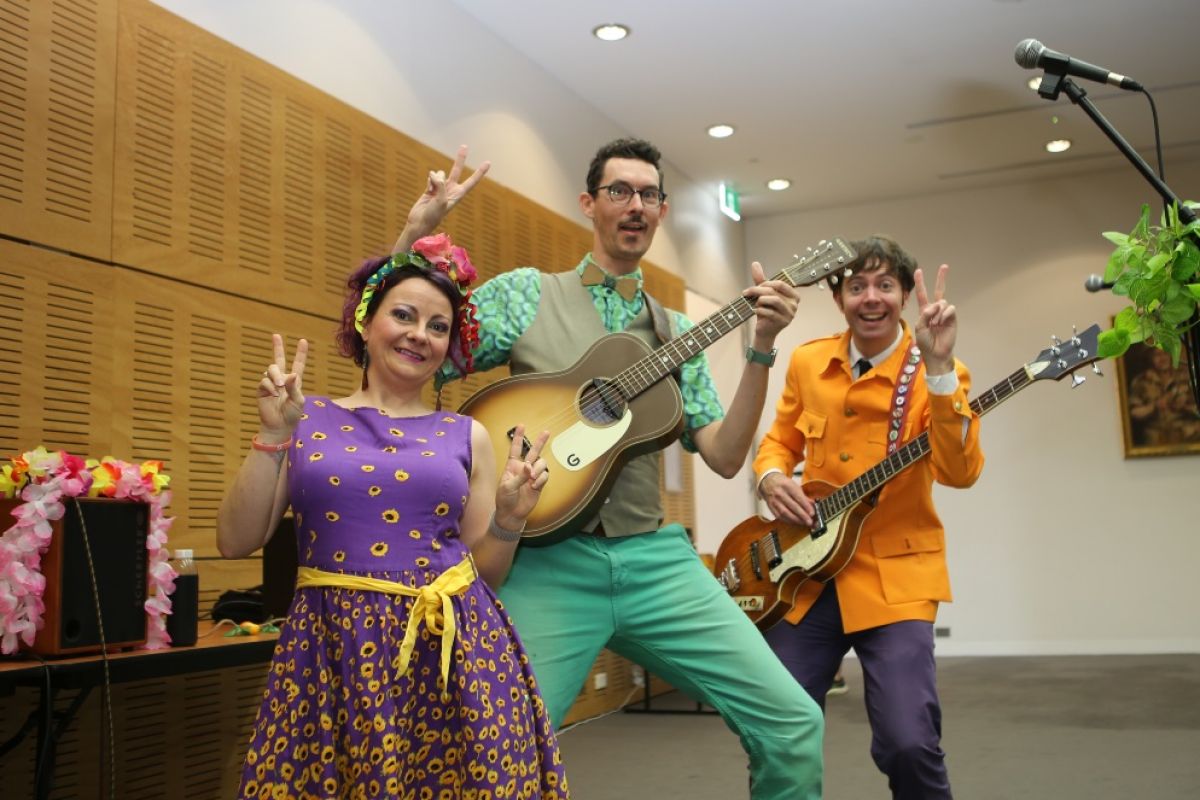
<point x="1159" y="416"/>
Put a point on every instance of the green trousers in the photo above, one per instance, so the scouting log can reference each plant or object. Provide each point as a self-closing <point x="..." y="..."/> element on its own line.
<point x="651" y="599"/>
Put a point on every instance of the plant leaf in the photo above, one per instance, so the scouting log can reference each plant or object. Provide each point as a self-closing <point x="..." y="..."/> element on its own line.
<point x="1112" y="343"/>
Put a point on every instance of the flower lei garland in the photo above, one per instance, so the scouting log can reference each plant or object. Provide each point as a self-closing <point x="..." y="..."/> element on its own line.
<point x="42" y="480"/>
<point x="430" y="253"/>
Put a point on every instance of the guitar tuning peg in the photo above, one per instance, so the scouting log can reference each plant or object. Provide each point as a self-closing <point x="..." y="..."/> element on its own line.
<point x="1096" y="368"/>
<point x="1076" y="379"/>
<point x="795" y="256"/>
<point x="1054" y="340"/>
<point x="833" y="280"/>
<point x="847" y="272"/>
<point x="821" y="286"/>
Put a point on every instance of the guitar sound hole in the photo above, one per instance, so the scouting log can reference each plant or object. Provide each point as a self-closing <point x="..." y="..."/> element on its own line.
<point x="601" y="402"/>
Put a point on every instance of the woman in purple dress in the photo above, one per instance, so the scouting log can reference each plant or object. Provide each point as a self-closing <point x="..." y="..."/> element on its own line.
<point x="397" y="672"/>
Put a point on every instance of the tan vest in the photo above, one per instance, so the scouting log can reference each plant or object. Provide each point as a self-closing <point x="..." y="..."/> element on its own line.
<point x="566" y="325"/>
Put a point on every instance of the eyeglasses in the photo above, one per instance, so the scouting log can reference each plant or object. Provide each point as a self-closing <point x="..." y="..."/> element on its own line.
<point x="622" y="193"/>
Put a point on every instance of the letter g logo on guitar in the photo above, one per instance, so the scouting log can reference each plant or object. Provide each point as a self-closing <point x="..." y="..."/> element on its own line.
<point x="573" y="460"/>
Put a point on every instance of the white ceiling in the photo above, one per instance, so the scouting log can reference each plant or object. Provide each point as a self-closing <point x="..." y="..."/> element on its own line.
<point x="859" y="100"/>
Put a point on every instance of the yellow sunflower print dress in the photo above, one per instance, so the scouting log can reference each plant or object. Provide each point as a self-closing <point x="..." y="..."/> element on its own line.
<point x="343" y="715"/>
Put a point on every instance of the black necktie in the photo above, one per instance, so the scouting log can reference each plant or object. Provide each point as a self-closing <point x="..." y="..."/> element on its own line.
<point x="861" y="367"/>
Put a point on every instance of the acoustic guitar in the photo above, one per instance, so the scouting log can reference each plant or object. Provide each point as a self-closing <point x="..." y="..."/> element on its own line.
<point x="763" y="563"/>
<point x="612" y="405"/>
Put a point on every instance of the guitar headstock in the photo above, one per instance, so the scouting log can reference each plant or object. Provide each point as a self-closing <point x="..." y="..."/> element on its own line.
<point x="1064" y="357"/>
<point x="827" y="258"/>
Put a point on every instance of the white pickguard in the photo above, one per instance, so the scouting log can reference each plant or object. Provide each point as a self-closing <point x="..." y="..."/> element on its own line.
<point x="581" y="444"/>
<point x="809" y="553"/>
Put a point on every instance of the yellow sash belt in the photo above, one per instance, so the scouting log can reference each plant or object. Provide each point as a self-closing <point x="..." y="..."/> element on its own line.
<point x="432" y="603"/>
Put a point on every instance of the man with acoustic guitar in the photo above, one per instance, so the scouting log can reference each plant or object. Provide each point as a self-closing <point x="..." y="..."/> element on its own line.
<point x="849" y="401"/>
<point x="625" y="582"/>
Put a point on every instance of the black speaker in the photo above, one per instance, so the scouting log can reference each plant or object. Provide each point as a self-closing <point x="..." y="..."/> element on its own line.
<point x="116" y="532"/>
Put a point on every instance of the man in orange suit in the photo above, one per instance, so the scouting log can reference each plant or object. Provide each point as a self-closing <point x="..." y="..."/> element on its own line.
<point x="849" y="401"/>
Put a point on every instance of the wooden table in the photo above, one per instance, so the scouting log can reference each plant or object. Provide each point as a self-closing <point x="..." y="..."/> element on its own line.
<point x="213" y="650"/>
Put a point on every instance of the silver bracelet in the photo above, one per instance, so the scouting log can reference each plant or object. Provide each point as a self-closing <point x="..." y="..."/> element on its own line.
<point x="503" y="534"/>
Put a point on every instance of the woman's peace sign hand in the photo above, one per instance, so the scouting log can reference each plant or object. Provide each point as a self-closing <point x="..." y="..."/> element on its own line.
<point x="521" y="480"/>
<point x="280" y="393"/>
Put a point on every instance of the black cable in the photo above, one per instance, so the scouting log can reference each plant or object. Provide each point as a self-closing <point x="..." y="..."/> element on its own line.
<point x="1157" y="139"/>
<point x="47" y="741"/>
<point x="106" y="700"/>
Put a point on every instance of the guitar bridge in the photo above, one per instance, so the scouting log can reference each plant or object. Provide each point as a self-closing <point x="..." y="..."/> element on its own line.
<point x="526" y="445"/>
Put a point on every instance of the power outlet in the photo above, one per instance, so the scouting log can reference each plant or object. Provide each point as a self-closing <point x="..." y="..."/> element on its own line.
<point x="600" y="680"/>
<point x="639" y="677"/>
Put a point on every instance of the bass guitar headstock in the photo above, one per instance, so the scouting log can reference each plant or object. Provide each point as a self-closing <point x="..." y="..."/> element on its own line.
<point x="1064" y="357"/>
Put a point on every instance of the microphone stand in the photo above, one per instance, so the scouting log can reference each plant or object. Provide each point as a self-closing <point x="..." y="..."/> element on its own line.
<point x="1054" y="82"/>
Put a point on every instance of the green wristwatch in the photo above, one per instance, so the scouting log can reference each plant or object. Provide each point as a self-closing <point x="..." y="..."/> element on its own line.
<point x="755" y="357"/>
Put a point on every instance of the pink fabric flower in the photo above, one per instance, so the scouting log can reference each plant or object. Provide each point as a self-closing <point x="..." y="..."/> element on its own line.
<point x="463" y="266"/>
<point x="435" y="249"/>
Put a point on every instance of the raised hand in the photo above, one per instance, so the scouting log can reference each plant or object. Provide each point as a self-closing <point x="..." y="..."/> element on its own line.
<point x="937" y="324"/>
<point x="280" y="393"/>
<point x="775" y="304"/>
<point x="442" y="193"/>
<point x="521" y="480"/>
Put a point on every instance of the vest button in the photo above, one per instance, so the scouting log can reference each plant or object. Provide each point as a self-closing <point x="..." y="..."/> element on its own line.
<point x="844" y="456"/>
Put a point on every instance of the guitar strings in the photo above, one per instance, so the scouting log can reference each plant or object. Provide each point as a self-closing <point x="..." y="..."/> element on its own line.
<point x="732" y="315"/>
<point x="844" y="497"/>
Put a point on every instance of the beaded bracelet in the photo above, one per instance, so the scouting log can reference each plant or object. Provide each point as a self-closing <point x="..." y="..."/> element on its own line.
<point x="270" y="448"/>
<point x="504" y="534"/>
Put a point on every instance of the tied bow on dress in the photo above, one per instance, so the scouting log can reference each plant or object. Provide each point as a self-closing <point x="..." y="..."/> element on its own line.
<point x="625" y="285"/>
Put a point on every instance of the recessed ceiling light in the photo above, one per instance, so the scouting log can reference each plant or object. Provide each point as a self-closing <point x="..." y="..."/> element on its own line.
<point x="1035" y="82"/>
<point x="1058" y="145"/>
<point x="720" y="131"/>
<point x="611" y="32"/>
<point x="778" y="184"/>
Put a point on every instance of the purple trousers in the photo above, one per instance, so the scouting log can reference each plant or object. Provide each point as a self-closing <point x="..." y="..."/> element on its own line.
<point x="900" y="684"/>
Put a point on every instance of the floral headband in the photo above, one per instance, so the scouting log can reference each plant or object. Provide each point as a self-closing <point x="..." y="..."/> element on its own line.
<point x="432" y="253"/>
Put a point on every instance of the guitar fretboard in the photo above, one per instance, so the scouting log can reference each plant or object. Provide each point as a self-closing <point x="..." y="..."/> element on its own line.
<point x="843" y="498"/>
<point x="828" y="259"/>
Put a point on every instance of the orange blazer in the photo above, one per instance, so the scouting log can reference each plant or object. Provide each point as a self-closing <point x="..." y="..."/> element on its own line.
<point x="837" y="427"/>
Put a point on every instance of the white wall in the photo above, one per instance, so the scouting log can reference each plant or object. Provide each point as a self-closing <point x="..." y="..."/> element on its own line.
<point x="1063" y="546"/>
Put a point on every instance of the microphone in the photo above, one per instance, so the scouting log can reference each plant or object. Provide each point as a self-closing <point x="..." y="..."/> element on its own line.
<point x="1095" y="283"/>
<point x="1032" y="54"/>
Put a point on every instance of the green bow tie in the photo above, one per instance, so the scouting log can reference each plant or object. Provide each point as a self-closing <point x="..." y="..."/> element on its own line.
<point x="625" y="285"/>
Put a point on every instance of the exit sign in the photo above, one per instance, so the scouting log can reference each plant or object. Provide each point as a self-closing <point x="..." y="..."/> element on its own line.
<point x="731" y="202"/>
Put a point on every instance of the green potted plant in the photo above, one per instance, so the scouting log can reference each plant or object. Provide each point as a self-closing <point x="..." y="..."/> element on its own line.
<point x="1158" y="268"/>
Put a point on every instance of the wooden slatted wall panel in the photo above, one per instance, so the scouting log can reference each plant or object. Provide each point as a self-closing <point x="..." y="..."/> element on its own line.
<point x="217" y="200"/>
<point x="56" y="114"/>
<point x="231" y="174"/>
<point x="174" y="737"/>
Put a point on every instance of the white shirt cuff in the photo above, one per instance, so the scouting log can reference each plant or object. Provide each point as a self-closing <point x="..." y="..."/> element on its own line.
<point x="942" y="384"/>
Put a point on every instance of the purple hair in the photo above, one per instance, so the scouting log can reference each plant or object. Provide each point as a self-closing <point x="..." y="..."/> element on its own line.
<point x="350" y="341"/>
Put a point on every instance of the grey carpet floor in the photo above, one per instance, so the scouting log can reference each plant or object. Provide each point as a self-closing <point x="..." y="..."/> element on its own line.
<point x="1064" y="728"/>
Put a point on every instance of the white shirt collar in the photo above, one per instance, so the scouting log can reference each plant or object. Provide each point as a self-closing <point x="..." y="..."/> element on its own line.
<point x="879" y="357"/>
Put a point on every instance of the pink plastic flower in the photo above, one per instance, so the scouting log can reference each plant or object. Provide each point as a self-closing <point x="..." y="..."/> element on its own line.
<point x="73" y="476"/>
